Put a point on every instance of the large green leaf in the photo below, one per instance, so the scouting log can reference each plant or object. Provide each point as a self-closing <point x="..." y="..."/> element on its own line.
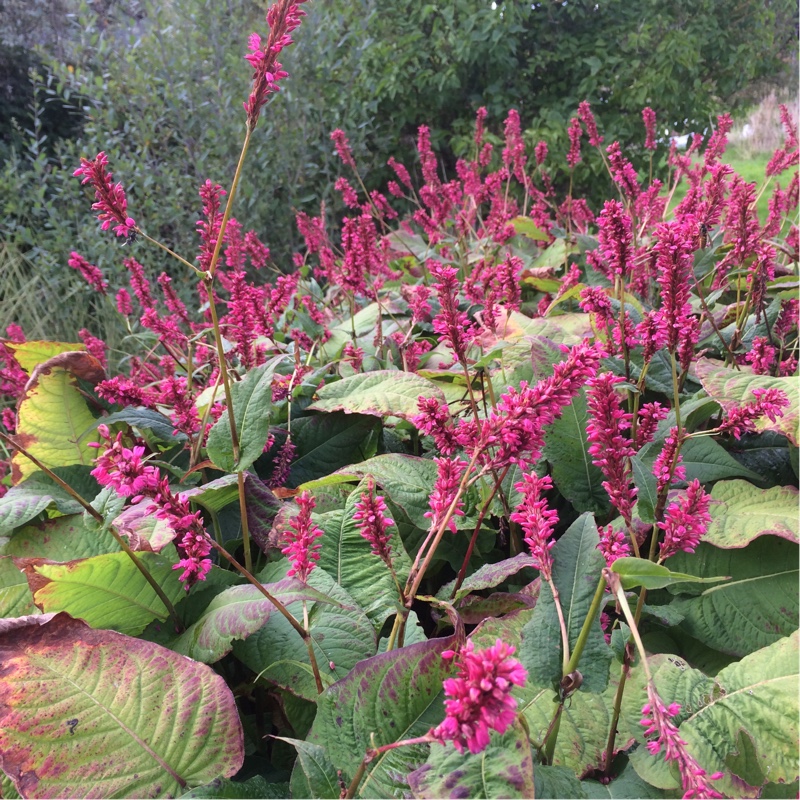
<point x="255" y="788"/>
<point x="236" y="613"/>
<point x="753" y="708"/>
<point x="732" y="388"/>
<point x="252" y="406"/>
<point x="54" y="422"/>
<point x="32" y="353"/>
<point x="106" y="591"/>
<point x="487" y="577"/>
<point x="740" y="512"/>
<point x="16" y="599"/>
<point x="675" y="681"/>
<point x="576" y="574"/>
<point x="566" y="448"/>
<point x="755" y="608"/>
<point x="503" y="769"/>
<point x="326" y="442"/>
<point x="584" y="726"/>
<point x="406" y="480"/>
<point x="113" y="716"/>
<point x="341" y="634"/>
<point x="347" y="557"/>
<point x="385" y="393"/>
<point x="314" y="774"/>
<point x="641" y="572"/>
<point x="393" y="696"/>
<point x="30" y="498"/>
<point x="61" y="539"/>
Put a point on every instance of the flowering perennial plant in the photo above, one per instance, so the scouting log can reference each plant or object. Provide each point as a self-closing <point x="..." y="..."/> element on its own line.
<point x="557" y="401"/>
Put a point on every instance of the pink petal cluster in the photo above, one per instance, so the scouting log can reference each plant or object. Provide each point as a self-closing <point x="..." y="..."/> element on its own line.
<point x="537" y="520"/>
<point x="649" y="119"/>
<point x="449" y="474"/>
<point x="283" y="17"/>
<point x="574" y="132"/>
<point x="685" y="521"/>
<point x="768" y="403"/>
<point x="91" y="274"/>
<point x="622" y="171"/>
<point x="479" y="697"/>
<point x="665" y="468"/>
<point x="373" y="524"/>
<point x="656" y="720"/>
<point x="613" y="544"/>
<point x="302" y="546"/>
<point x="125" y="470"/>
<point x="610" y="448"/>
<point x="451" y="324"/>
<point x="110" y="198"/>
<point x="587" y="117"/>
<point x="616" y="238"/>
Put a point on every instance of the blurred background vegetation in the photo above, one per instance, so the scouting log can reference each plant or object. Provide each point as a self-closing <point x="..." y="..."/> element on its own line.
<point x="159" y="85"/>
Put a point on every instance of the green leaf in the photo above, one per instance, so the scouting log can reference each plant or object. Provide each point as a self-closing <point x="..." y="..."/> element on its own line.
<point x="106" y="591"/>
<point x="235" y="614"/>
<point x="30" y="498"/>
<point x="625" y="785"/>
<point x="755" y="608"/>
<point x="732" y="388"/>
<point x="225" y="789"/>
<point x="577" y="564"/>
<point x="133" y="716"/>
<point x="741" y="512"/>
<point x="706" y="460"/>
<point x="252" y="406"/>
<point x="406" y="480"/>
<point x="487" y="577"/>
<point x="566" y="448"/>
<point x="555" y="255"/>
<point x="553" y="783"/>
<point x="347" y="557"/>
<point x="341" y="634"/>
<point x="647" y="496"/>
<point x="641" y="572"/>
<point x="585" y="722"/>
<point x="387" y="698"/>
<point x="53" y="420"/>
<point x="384" y="393"/>
<point x="326" y="442"/>
<point x="149" y="423"/>
<point x="61" y="539"/>
<point x="528" y="228"/>
<point x="30" y="354"/>
<point x="314" y="774"/>
<point x="16" y="599"/>
<point x="503" y="769"/>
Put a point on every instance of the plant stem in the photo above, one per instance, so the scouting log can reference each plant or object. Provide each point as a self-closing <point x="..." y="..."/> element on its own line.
<point x="248" y="558"/>
<point x="463" y="571"/>
<point x="166" y="249"/>
<point x="583" y="636"/>
<point x="281" y="609"/>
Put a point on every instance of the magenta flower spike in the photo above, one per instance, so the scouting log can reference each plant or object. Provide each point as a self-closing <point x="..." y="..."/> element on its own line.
<point x="649" y="119"/>
<point x="685" y="521"/>
<point x="302" y="546"/>
<point x="575" y="132"/>
<point x="656" y="721"/>
<point x="110" y="198"/>
<point x="479" y="697"/>
<point x="91" y="274"/>
<point x="537" y="520"/>
<point x="587" y="117"/>
<point x="374" y="524"/>
<point x="283" y="17"/>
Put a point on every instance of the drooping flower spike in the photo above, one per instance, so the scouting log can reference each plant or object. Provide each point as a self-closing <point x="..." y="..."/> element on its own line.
<point x="110" y="198"/>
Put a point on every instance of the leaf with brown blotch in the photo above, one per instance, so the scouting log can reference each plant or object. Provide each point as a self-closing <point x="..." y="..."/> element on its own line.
<point x="93" y="713"/>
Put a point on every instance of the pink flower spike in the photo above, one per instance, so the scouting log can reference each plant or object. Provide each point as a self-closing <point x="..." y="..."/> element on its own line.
<point x="110" y="198"/>
<point x="613" y="544"/>
<point x="656" y="721"/>
<point x="302" y="546"/>
<point x="587" y="117"/>
<point x="450" y="472"/>
<point x="283" y="17"/>
<point x="649" y="119"/>
<point x="685" y="521"/>
<point x="374" y="525"/>
<point x="537" y="520"/>
<point x="91" y="274"/>
<point x="574" y="131"/>
<point x="766" y="403"/>
<point x="479" y="697"/>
